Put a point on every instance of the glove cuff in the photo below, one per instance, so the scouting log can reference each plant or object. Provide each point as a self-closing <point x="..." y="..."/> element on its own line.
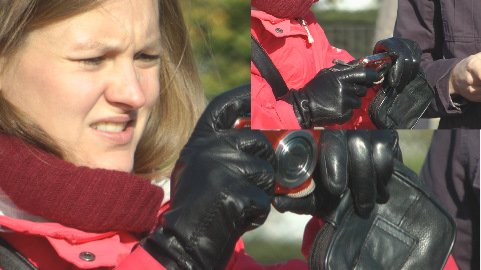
<point x="302" y="113"/>
<point x="167" y="250"/>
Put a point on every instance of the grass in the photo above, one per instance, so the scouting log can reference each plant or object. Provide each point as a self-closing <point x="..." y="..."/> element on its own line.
<point x="270" y="252"/>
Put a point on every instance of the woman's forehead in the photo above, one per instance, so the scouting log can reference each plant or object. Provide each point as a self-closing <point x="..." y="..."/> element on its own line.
<point x="113" y="24"/>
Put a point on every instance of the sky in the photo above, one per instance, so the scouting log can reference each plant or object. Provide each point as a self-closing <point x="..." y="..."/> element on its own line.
<point x="349" y="5"/>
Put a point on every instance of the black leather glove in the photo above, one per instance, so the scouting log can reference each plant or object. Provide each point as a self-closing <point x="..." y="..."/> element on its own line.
<point x="331" y="95"/>
<point x="406" y="56"/>
<point x="222" y="186"/>
<point x="358" y="160"/>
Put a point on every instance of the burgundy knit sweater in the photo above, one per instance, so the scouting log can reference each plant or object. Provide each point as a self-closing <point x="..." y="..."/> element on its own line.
<point x="284" y="8"/>
<point x="88" y="199"/>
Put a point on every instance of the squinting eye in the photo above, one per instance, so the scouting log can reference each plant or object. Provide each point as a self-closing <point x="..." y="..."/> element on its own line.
<point x="94" y="61"/>
<point x="147" y="57"/>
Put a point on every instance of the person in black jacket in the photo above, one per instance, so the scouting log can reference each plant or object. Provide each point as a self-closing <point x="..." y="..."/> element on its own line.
<point x="448" y="33"/>
<point x="451" y="171"/>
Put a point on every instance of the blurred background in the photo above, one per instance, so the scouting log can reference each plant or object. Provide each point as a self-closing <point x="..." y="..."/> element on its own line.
<point x="219" y="32"/>
<point x="220" y="39"/>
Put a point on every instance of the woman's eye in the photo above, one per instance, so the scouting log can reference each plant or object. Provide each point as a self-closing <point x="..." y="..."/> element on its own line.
<point x="94" y="61"/>
<point x="147" y="57"/>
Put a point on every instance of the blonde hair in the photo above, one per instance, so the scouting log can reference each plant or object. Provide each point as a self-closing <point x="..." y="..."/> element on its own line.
<point x="181" y="98"/>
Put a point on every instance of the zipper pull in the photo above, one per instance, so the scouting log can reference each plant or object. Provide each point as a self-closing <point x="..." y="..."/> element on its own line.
<point x="303" y="23"/>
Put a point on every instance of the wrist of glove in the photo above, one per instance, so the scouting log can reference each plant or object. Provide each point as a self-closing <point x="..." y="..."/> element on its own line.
<point x="222" y="186"/>
<point x="406" y="56"/>
<point x="165" y="248"/>
<point x="356" y="160"/>
<point x="330" y="97"/>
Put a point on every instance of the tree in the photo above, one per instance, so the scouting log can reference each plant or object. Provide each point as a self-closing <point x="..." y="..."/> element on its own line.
<point x="220" y="39"/>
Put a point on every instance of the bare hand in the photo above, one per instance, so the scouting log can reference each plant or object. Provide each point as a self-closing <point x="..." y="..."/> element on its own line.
<point x="466" y="78"/>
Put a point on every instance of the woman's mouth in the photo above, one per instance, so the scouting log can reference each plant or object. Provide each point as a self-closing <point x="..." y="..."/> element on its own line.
<point x="120" y="133"/>
<point x="109" y="126"/>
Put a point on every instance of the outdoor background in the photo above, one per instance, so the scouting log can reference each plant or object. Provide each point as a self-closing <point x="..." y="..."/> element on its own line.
<point x="220" y="38"/>
<point x="220" y="35"/>
<point x="221" y="42"/>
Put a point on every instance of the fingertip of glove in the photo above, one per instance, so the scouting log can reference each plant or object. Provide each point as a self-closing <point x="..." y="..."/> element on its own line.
<point x="362" y="207"/>
<point x="364" y="210"/>
<point x="372" y="75"/>
<point x="382" y="199"/>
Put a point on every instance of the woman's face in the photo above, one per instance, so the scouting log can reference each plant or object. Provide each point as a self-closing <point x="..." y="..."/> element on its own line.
<point x="90" y="81"/>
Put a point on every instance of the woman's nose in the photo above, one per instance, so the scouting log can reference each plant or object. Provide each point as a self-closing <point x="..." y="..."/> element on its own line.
<point x="125" y="89"/>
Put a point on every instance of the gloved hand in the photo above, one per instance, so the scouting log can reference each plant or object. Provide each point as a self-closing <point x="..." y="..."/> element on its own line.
<point x="358" y="160"/>
<point x="222" y="186"/>
<point x="406" y="57"/>
<point x="331" y="95"/>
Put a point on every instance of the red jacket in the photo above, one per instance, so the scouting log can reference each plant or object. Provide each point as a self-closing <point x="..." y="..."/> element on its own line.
<point x="50" y="245"/>
<point x="54" y="246"/>
<point x="298" y="61"/>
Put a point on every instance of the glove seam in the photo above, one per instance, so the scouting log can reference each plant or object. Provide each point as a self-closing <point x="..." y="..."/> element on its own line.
<point x="332" y="118"/>
<point x="224" y="108"/>
<point x="304" y="120"/>
<point x="209" y="215"/>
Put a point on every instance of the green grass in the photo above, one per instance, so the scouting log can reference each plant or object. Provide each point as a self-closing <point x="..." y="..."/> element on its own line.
<point x="270" y="252"/>
<point x="414" y="145"/>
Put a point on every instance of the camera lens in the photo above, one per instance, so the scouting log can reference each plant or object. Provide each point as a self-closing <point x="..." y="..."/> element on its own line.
<point x="296" y="154"/>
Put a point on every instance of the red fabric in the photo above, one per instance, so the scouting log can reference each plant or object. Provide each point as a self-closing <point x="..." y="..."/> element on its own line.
<point x="310" y="232"/>
<point x="284" y="8"/>
<point x="450" y="264"/>
<point x="298" y="61"/>
<point x="54" y="246"/>
<point x="112" y="250"/>
<point x="50" y="245"/>
<point x="88" y="199"/>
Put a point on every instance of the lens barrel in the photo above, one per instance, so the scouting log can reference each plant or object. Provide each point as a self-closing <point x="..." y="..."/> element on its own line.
<point x="297" y="154"/>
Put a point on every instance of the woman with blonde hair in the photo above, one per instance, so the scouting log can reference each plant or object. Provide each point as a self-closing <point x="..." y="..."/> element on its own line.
<point x="97" y="99"/>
